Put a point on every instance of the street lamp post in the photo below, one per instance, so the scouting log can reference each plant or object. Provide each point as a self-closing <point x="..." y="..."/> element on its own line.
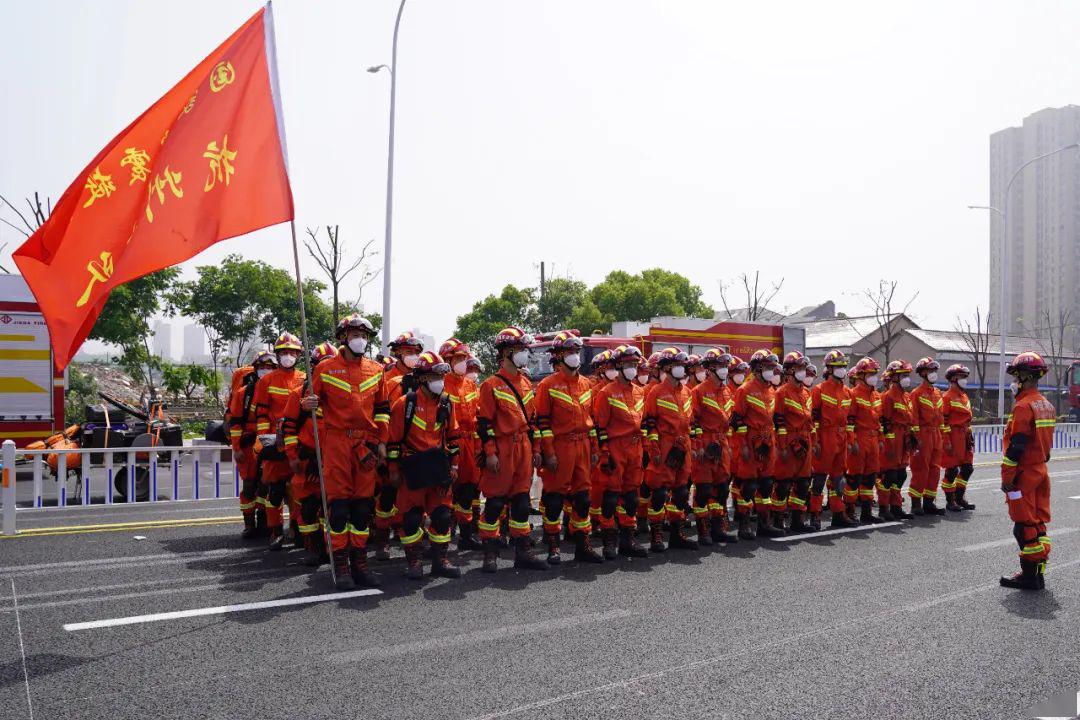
<point x="392" y="68"/>
<point x="1003" y="213"/>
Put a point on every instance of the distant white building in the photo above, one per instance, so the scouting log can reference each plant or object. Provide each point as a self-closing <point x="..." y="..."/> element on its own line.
<point x="428" y="340"/>
<point x="163" y="347"/>
<point x="194" y="345"/>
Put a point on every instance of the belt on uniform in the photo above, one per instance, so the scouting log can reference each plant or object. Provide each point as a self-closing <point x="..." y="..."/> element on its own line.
<point x="582" y="435"/>
<point x="352" y="433"/>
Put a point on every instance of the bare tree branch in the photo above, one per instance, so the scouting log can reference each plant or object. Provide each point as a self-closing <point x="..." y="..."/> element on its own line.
<point x="757" y="299"/>
<point x="15" y="227"/>
<point x="16" y="210"/>
<point x="977" y="346"/>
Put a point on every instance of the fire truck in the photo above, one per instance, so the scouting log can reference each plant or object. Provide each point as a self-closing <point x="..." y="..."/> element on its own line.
<point x="31" y="389"/>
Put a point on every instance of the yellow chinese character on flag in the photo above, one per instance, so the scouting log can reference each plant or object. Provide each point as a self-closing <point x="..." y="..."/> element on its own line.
<point x="222" y="75"/>
<point x="99" y="272"/>
<point x="137" y="159"/>
<point x="221" y="168"/>
<point x="99" y="185"/>
<point x="157" y="186"/>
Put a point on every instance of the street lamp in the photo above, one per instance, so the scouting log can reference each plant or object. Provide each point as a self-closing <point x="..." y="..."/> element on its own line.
<point x="1004" y="215"/>
<point x="389" y="182"/>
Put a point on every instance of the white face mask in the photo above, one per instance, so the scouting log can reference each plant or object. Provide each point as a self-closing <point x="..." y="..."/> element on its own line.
<point x="905" y="382"/>
<point x="932" y="377"/>
<point x="460" y="367"/>
<point x="520" y="358"/>
<point x="775" y="379"/>
<point x="700" y="375"/>
<point x="358" y="345"/>
<point x="1015" y="387"/>
<point x="738" y="378"/>
<point x="572" y="361"/>
<point x="800" y="375"/>
<point x="722" y="373"/>
<point x="962" y="382"/>
<point x="435" y="386"/>
<point x="678" y="372"/>
<point x="768" y="375"/>
<point x="410" y="360"/>
<point x="611" y="373"/>
<point x="643" y="379"/>
<point x="286" y="361"/>
<point x="263" y="372"/>
<point x="871" y="380"/>
<point x="472" y="376"/>
<point x="631" y="372"/>
<point x="839" y="373"/>
<point x="807" y="381"/>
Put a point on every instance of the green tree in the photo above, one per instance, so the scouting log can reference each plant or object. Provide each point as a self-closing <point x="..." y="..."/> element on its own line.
<point x="561" y="297"/>
<point x="512" y="306"/>
<point x="651" y="293"/>
<point x="82" y="390"/>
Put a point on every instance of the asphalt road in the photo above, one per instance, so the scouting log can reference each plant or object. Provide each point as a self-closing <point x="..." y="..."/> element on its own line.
<point x="906" y="621"/>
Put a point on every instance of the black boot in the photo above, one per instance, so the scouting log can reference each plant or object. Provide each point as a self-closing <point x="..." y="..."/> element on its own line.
<point x="720" y="529"/>
<point x="642" y="526"/>
<point x="358" y="568"/>
<point x="745" y="532"/>
<point x="930" y="508"/>
<point x="414" y="564"/>
<point x="897" y="512"/>
<point x="583" y="551"/>
<point x="656" y="534"/>
<point x="313" y="547"/>
<point x="250" y="530"/>
<point x="950" y="503"/>
<point x="916" y="506"/>
<point x="704" y="534"/>
<point x="491" y="556"/>
<point x="467" y="538"/>
<point x="840" y="520"/>
<point x="815" y="521"/>
<point x="261" y="530"/>
<point x="797" y="524"/>
<point x="380" y="538"/>
<point x="611" y="543"/>
<point x="524" y="558"/>
<point x="343" y="578"/>
<point x="1030" y="577"/>
<point x="767" y="528"/>
<point x="551" y="542"/>
<point x="277" y="538"/>
<point x="440" y="563"/>
<point x="677" y="539"/>
<point x="962" y="501"/>
<point x="628" y="544"/>
<point x="294" y="534"/>
<point x="866" y="514"/>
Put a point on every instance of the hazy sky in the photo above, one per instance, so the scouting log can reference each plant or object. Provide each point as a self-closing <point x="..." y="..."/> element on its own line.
<point x="831" y="144"/>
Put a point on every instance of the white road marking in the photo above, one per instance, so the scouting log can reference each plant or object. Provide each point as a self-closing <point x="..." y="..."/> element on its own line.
<point x="837" y="531"/>
<point x="22" y="650"/>
<point x="117" y="562"/>
<point x="219" y="610"/>
<point x="1056" y="532"/>
<point x="1074" y="497"/>
<point x="480" y="636"/>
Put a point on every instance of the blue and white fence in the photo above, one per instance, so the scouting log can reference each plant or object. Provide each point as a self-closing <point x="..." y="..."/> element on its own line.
<point x="988" y="438"/>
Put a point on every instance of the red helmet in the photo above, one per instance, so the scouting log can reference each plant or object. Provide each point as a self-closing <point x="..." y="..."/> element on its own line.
<point x="794" y="360"/>
<point x="1027" y="363"/>
<point x="264" y="356"/>
<point x="323" y="351"/>
<point x="672" y="356"/>
<point x="564" y="340"/>
<point x="926" y="364"/>
<point x="453" y="347"/>
<point x="473" y="364"/>
<point x="738" y="365"/>
<point x="512" y="336"/>
<point x="715" y="358"/>
<point x="630" y="353"/>
<point x="835" y="358"/>
<point x="763" y="359"/>
<point x="287" y="341"/>
<point x="430" y="362"/>
<point x="866" y="366"/>
<point x="388" y="362"/>
<point x="653" y="360"/>
<point x="356" y="320"/>
<point x="956" y="369"/>
<point x="601" y="358"/>
<point x="693" y="360"/>
<point x="811" y="370"/>
<point x="405" y="340"/>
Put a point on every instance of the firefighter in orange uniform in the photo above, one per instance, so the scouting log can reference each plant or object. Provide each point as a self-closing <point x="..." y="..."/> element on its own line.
<point x="271" y="396"/>
<point x="511" y="450"/>
<point x="794" y="438"/>
<point x="568" y="444"/>
<point x="830" y="405"/>
<point x="603" y="372"/>
<point x="737" y="373"/>
<point x="1025" y="481"/>
<point x="463" y="395"/>
<point x="242" y="439"/>
<point x="349" y="389"/>
<point x="957" y="455"/>
<point x="695" y="373"/>
<point x="898" y="440"/>
<point x="753" y="422"/>
<point x="422" y="459"/>
<point x="617" y="415"/>
<point x="864" y="451"/>
<point x="926" y="406"/>
<point x="711" y="467"/>
<point x="405" y="349"/>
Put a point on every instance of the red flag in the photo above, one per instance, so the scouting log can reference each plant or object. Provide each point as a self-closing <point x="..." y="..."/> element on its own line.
<point x="205" y="163"/>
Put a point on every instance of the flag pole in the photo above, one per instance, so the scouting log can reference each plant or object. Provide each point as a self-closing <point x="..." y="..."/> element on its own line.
<point x="275" y="93"/>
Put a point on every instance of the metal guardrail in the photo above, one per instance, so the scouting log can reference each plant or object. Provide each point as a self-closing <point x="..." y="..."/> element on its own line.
<point x="988" y="438"/>
<point x="160" y="468"/>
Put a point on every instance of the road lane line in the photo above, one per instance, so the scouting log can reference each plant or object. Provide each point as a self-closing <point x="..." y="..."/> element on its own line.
<point x="115" y="527"/>
<point x="1074" y="497"/>
<point x="1056" y="532"/>
<point x="22" y="649"/>
<point x="507" y="632"/>
<point x="218" y="610"/>
<point x="960" y="594"/>
<point x="837" y="531"/>
<point x="154" y="559"/>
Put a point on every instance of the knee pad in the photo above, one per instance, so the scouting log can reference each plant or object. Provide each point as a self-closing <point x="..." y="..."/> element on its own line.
<point x="608" y="503"/>
<point x="275" y="493"/>
<point x="440" y="519"/>
<point x="659" y="498"/>
<point x="703" y="492"/>
<point x="765" y="486"/>
<point x="309" y="509"/>
<point x="339" y="515"/>
<point x="553" y="505"/>
<point x="387" y="497"/>
<point x="410" y="521"/>
<point x="493" y="509"/>
<point x="520" y="507"/>
<point x="644" y="491"/>
<point x="868" y="481"/>
<point x="680" y="497"/>
<point x="966" y="471"/>
<point x="748" y="487"/>
<point x="630" y="502"/>
<point x="817" y="484"/>
<point x="782" y="489"/>
<point x="802" y="487"/>
<point x="721" y="492"/>
<point x="249" y="488"/>
<point x="1018" y="533"/>
<point x="951" y="473"/>
<point x="361" y="510"/>
<point x="581" y="503"/>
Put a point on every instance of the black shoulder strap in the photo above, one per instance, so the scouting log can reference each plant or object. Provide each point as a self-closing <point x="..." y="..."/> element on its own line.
<point x="521" y="403"/>
<point x="249" y="394"/>
<point x="410" y="413"/>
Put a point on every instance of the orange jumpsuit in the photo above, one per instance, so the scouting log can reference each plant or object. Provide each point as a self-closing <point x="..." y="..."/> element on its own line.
<point x="957" y="453"/>
<point x="464" y="394"/>
<point x="1027" y="442"/>
<point x="794" y="438"/>
<point x="352" y="397"/>
<point x="896" y="421"/>
<point x="667" y="419"/>
<point x="863" y="466"/>
<point x="617" y="414"/>
<point x="300" y="445"/>
<point x="272" y="393"/>
<point x="242" y="439"/>
<point x="753" y="418"/>
<point x="427" y="431"/>
<point x="597" y="381"/>
<point x="830" y="405"/>
<point x="712" y="405"/>
<point x="926" y="405"/>
<point x="508" y="434"/>
<point x="564" y="419"/>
